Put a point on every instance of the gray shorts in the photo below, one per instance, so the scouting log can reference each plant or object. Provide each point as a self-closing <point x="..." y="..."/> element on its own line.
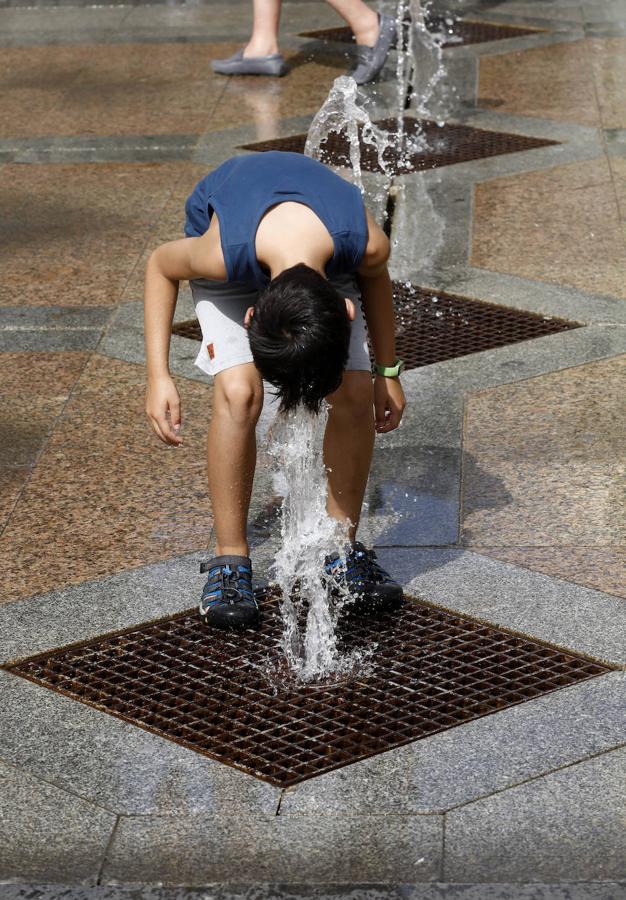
<point x="221" y="307"/>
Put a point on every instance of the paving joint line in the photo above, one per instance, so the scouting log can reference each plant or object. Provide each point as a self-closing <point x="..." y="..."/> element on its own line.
<point x="107" y="850"/>
<point x="59" y="787"/>
<point x="532" y="778"/>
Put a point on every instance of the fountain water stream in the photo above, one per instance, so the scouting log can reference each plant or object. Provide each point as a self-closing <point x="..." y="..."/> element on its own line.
<point x="308" y="534"/>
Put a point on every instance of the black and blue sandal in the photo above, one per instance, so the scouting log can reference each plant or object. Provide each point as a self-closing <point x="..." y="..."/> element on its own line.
<point x="228" y="598"/>
<point x="358" y="574"/>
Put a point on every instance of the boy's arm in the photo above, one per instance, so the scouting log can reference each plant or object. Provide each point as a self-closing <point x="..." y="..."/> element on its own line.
<point x="377" y="298"/>
<point x="167" y="266"/>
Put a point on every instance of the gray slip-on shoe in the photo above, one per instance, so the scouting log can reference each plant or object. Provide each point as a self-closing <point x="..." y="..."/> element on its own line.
<point x="238" y="64"/>
<point x="372" y="59"/>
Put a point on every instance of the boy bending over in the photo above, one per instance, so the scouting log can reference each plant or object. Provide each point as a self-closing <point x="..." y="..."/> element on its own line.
<point x="273" y="244"/>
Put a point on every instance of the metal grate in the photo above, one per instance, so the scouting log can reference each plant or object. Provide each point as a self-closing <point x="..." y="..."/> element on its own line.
<point x="431" y="327"/>
<point x="460" y="32"/>
<point x="189" y="328"/>
<point x="429" y="670"/>
<point x="424" y="145"/>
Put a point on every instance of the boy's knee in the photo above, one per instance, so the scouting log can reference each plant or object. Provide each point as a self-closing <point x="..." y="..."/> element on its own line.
<point x="239" y="397"/>
<point x="355" y="396"/>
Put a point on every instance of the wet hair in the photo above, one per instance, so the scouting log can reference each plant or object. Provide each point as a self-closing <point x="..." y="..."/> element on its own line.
<point x="299" y="337"/>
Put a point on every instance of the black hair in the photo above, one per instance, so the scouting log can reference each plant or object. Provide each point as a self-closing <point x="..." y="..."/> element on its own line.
<point x="299" y="337"/>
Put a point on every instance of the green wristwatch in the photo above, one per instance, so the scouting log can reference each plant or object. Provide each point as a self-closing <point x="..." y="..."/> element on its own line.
<point x="390" y="371"/>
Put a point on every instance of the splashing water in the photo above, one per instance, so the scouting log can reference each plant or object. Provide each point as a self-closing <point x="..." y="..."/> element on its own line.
<point x="420" y="71"/>
<point x="342" y="113"/>
<point x="308" y="534"/>
<point x="426" y="48"/>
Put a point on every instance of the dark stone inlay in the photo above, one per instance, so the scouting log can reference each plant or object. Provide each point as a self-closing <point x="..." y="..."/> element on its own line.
<point x="441" y="146"/>
<point x="428" y="671"/>
<point x="460" y="31"/>
<point x="433" y="326"/>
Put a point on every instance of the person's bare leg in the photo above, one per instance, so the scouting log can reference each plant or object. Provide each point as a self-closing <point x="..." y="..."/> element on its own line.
<point x="264" y="38"/>
<point x="237" y="404"/>
<point x="362" y="20"/>
<point x="348" y="446"/>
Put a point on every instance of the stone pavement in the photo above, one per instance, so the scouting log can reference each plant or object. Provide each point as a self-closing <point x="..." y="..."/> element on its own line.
<point x="507" y="467"/>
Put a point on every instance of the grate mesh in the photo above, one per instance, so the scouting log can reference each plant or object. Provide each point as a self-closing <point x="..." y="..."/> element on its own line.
<point x="425" y="145"/>
<point x="429" y="670"/>
<point x="432" y="327"/>
<point x="460" y="32"/>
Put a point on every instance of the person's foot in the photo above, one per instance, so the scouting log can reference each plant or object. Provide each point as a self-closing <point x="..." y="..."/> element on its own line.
<point x="238" y="64"/>
<point x="228" y="599"/>
<point x="372" y="59"/>
<point x="359" y="574"/>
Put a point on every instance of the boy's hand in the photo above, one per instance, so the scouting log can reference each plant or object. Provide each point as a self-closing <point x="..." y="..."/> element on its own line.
<point x="163" y="409"/>
<point x="389" y="403"/>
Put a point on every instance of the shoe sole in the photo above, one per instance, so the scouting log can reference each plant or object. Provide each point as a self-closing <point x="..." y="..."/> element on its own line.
<point x="278" y="73"/>
<point x="230" y="624"/>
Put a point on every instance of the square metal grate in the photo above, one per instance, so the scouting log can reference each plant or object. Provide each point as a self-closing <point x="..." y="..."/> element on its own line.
<point x="460" y="32"/>
<point x="425" y="145"/>
<point x="428" y="671"/>
<point x="431" y="327"/>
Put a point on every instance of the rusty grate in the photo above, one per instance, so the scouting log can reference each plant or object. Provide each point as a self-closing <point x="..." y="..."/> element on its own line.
<point x="429" y="670"/>
<point x="431" y="327"/>
<point x="424" y="145"/>
<point x="460" y="32"/>
<point x="189" y="328"/>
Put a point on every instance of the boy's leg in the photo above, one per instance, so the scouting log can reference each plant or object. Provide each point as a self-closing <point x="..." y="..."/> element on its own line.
<point x="264" y="38"/>
<point x="237" y="404"/>
<point x="375" y="36"/>
<point x="348" y="446"/>
<point x="362" y="20"/>
<point x="260" y="56"/>
<point x="227" y="598"/>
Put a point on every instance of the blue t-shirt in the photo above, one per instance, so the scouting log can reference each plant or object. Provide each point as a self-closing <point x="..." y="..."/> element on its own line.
<point x="241" y="191"/>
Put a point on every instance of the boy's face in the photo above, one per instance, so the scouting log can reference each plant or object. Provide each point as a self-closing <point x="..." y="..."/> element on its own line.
<point x="350" y="310"/>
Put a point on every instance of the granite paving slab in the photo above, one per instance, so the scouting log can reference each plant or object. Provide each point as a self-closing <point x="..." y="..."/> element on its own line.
<point x="440" y="891"/>
<point x="580" y="619"/>
<point x="44" y="340"/>
<point x="516" y="362"/>
<point x="557" y="225"/>
<point x="127" y="498"/>
<point x="196" y="850"/>
<point x="47" y="834"/>
<point x="547" y="479"/>
<point x="476" y="759"/>
<point x="272" y="891"/>
<point x="77" y="230"/>
<point x="98" y="606"/>
<point x="565" y="826"/>
<point x="526" y="294"/>
<point x="543" y="82"/>
<point x="117" y="765"/>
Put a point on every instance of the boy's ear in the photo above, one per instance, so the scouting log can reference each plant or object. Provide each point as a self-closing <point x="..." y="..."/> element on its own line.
<point x="350" y="309"/>
<point x="248" y="316"/>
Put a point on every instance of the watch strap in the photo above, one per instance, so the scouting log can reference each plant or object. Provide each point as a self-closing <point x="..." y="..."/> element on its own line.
<point x="390" y="371"/>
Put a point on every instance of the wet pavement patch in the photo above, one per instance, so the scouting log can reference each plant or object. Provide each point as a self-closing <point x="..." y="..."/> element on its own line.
<point x="424" y="145"/>
<point x="426" y="670"/>
<point x="459" y="32"/>
<point x="433" y="326"/>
